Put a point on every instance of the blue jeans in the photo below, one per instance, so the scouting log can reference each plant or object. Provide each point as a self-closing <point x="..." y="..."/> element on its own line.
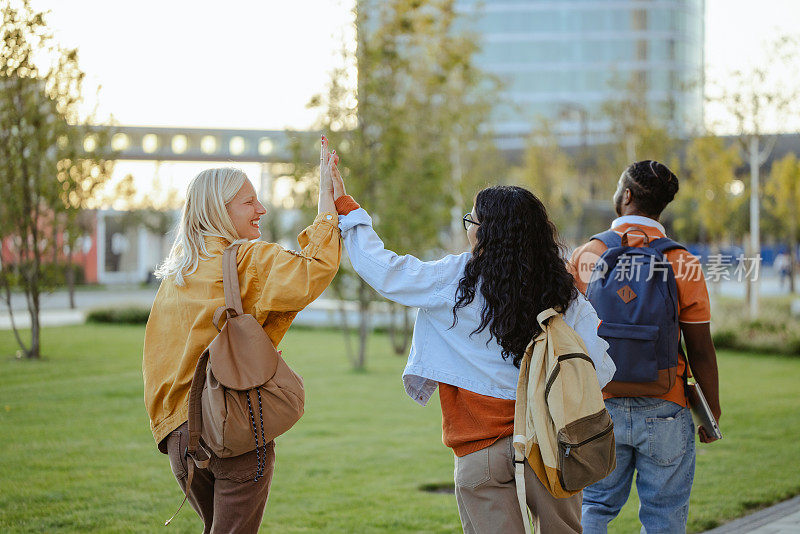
<point x="656" y="438"/>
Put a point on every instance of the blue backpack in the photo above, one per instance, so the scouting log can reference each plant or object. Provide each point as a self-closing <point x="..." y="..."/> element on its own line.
<point x="634" y="292"/>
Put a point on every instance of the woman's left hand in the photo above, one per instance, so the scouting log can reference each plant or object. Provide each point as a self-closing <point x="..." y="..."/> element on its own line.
<point x="338" y="181"/>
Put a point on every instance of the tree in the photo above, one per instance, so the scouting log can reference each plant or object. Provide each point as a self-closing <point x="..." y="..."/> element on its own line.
<point x="783" y="190"/>
<point x="82" y="225"/>
<point x="710" y="172"/>
<point x="50" y="163"/>
<point x="640" y="129"/>
<point x="406" y="112"/>
<point x="754" y="101"/>
<point x="548" y="171"/>
<point x="708" y="205"/>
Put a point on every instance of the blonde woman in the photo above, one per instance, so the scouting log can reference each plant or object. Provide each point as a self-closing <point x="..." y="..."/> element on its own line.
<point x="222" y="208"/>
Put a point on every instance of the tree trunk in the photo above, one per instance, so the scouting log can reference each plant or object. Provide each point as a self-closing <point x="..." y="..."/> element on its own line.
<point x="363" y="329"/>
<point x="35" y="350"/>
<point x="792" y="263"/>
<point x="399" y="336"/>
<point x="792" y="248"/>
<point x="70" y="275"/>
<point x="716" y="284"/>
<point x="33" y="298"/>
<point x="755" y="228"/>
<point x="345" y="324"/>
<point x="748" y="287"/>
<point x="7" y="292"/>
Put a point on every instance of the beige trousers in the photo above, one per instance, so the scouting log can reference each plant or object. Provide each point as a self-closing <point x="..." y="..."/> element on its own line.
<point x="487" y="496"/>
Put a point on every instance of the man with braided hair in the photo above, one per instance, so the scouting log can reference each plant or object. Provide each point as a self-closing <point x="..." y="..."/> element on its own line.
<point x="654" y="433"/>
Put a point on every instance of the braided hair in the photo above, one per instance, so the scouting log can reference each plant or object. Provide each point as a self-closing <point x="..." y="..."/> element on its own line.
<point x="652" y="186"/>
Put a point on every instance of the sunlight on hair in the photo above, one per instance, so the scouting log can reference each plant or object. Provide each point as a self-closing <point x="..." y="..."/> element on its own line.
<point x="203" y="215"/>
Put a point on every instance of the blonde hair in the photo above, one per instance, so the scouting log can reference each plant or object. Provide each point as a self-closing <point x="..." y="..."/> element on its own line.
<point x="203" y="214"/>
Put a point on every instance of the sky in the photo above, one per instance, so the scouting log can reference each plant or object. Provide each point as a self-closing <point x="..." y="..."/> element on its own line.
<point x="255" y="64"/>
<point x="199" y="63"/>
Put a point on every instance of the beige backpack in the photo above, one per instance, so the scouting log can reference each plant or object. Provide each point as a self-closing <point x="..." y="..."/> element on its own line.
<point x="561" y="425"/>
<point x="243" y="393"/>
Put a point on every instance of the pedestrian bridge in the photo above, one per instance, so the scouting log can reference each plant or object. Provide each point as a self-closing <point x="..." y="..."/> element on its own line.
<point x="200" y="144"/>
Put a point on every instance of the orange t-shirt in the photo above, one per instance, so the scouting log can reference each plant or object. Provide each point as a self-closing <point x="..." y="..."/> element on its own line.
<point x="693" y="302"/>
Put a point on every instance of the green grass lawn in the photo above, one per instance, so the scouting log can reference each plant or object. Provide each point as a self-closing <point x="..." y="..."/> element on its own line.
<point x="76" y="453"/>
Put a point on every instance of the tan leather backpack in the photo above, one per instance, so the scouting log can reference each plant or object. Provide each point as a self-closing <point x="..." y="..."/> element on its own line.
<point x="243" y="393"/>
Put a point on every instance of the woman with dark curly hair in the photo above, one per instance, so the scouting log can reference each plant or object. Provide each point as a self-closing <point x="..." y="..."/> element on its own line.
<point x="477" y="314"/>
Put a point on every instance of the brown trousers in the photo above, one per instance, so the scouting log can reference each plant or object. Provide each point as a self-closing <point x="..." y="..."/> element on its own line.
<point x="224" y="495"/>
<point x="487" y="496"/>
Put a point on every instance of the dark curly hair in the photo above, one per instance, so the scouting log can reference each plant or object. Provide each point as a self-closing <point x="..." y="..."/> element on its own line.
<point x="652" y="186"/>
<point x="519" y="263"/>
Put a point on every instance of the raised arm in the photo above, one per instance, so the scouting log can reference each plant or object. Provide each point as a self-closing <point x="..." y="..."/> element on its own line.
<point x="289" y="280"/>
<point x="402" y="279"/>
<point x="327" y="162"/>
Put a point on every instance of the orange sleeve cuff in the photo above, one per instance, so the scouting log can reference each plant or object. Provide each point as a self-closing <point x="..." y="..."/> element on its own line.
<point x="345" y="204"/>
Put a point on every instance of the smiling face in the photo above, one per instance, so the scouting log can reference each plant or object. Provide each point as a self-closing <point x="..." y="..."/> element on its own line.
<point x="245" y="211"/>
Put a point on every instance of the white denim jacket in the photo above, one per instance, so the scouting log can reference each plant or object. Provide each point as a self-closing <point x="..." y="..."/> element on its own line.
<point x="440" y="353"/>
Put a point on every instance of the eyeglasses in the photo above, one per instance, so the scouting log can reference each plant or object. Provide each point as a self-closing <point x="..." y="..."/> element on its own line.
<point x="467" y="220"/>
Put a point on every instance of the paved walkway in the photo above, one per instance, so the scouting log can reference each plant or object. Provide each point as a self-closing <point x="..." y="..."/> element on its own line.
<point x="55" y="308"/>
<point x="783" y="518"/>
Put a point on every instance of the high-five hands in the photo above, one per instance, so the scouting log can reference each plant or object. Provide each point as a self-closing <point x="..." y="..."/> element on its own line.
<point x="338" y="182"/>
<point x="327" y="162"/>
<point x="330" y="178"/>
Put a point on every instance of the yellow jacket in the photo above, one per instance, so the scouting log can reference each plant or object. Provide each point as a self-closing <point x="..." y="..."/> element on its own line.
<point x="275" y="284"/>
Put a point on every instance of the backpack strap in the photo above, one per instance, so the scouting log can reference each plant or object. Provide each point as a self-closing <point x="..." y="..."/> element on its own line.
<point x="609" y="238"/>
<point x="544" y="316"/>
<point x="624" y="236"/>
<point x="230" y="284"/>
<point x="519" y="440"/>
<point x="195" y="453"/>
<point x="230" y="279"/>
<point x="664" y="244"/>
<point x="520" y="410"/>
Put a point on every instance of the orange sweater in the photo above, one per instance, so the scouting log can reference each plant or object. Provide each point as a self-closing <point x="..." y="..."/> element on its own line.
<point x="345" y="204"/>
<point x="470" y="421"/>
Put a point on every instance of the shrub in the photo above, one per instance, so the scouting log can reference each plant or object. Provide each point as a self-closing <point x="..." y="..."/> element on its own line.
<point x="52" y="275"/>
<point x="775" y="331"/>
<point x="119" y="315"/>
<point x="724" y="339"/>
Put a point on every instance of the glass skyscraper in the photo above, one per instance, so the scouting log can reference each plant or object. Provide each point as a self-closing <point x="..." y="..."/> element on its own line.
<point x="562" y="59"/>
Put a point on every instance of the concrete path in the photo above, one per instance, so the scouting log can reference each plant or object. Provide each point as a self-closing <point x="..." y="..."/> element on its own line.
<point x="783" y="518"/>
<point x="55" y="308"/>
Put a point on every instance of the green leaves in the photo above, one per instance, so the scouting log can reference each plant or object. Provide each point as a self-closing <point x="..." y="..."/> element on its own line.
<point x="47" y="174"/>
<point x="709" y="186"/>
<point x="405" y="114"/>
<point x="783" y="196"/>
